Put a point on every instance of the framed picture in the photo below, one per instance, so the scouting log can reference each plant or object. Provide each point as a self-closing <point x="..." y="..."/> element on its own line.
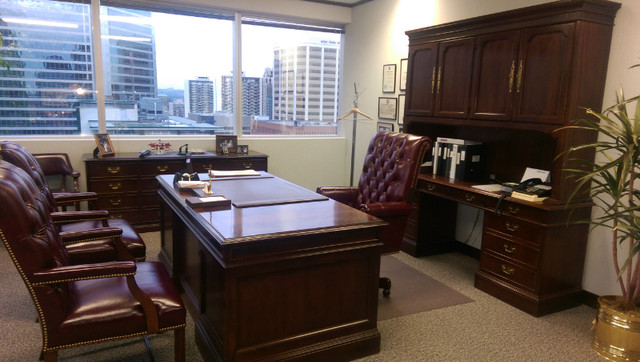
<point x="226" y="144"/>
<point x="403" y="74"/>
<point x="389" y="78"/>
<point x="242" y="149"/>
<point x="105" y="148"/>
<point x="387" y="107"/>
<point x="385" y="126"/>
<point x="401" y="99"/>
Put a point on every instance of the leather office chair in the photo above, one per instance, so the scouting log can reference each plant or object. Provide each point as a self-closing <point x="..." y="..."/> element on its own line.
<point x="390" y="172"/>
<point x="58" y="164"/>
<point x="76" y="222"/>
<point x="88" y="303"/>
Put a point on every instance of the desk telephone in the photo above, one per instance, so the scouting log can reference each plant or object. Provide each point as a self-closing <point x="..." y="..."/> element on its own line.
<point x="534" y="186"/>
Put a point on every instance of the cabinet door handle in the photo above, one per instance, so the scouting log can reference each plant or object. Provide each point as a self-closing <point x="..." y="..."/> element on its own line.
<point x="509" y="249"/>
<point x="513" y="209"/>
<point x="511" y="226"/>
<point x="469" y="197"/>
<point x="113" y="169"/>
<point x="115" y="202"/>
<point x="247" y="165"/>
<point x="439" y="77"/>
<point x="431" y="187"/>
<point x="519" y="80"/>
<point x="115" y="186"/>
<point x="511" y="74"/>
<point x="433" y="80"/>
<point x="507" y="269"/>
<point x="162" y="168"/>
<point x="207" y="167"/>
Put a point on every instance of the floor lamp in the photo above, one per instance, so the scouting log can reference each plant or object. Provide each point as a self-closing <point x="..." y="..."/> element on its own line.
<point x="355" y="111"/>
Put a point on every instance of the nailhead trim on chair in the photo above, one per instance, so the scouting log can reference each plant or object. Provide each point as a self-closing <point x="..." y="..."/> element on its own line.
<point x="83" y="278"/>
<point x="80" y="220"/>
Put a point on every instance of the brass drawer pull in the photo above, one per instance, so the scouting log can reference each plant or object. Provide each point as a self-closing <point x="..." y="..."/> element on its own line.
<point x="508" y="270"/>
<point x="247" y="165"/>
<point x="113" y="169"/>
<point x="162" y="168"/>
<point x="115" y="186"/>
<point x="509" y="249"/>
<point x="431" y="187"/>
<point x="513" y="209"/>
<point x="511" y="227"/>
<point x="469" y="197"/>
<point x="115" y="202"/>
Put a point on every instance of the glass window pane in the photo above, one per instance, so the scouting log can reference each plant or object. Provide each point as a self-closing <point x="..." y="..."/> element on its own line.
<point x="289" y="81"/>
<point x="47" y="46"/>
<point x="163" y="72"/>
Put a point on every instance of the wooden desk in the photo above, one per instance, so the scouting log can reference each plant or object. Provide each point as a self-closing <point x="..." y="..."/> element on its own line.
<point x="295" y="280"/>
<point x="126" y="184"/>
<point x="531" y="256"/>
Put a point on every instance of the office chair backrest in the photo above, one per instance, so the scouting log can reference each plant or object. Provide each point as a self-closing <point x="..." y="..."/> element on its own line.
<point x="57" y="164"/>
<point x="21" y="157"/>
<point x="391" y="167"/>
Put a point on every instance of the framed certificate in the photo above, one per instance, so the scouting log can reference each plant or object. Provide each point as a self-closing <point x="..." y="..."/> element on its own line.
<point x="403" y="74"/>
<point x="389" y="78"/>
<point x="401" y="99"/>
<point x="387" y="107"/>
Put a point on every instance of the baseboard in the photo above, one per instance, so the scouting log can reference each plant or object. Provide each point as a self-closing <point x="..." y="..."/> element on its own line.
<point x="590" y="299"/>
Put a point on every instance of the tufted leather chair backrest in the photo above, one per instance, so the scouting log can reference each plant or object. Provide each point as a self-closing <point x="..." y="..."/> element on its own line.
<point x="21" y="157"/>
<point x="391" y="167"/>
<point x="31" y="239"/>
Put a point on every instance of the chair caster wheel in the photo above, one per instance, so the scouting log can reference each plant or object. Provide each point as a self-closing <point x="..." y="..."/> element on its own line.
<point x="385" y="284"/>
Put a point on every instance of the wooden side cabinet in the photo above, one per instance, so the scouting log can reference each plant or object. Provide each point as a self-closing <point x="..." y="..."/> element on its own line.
<point x="127" y="187"/>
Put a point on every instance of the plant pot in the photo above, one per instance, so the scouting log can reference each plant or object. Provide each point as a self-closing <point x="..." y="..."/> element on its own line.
<point x="616" y="334"/>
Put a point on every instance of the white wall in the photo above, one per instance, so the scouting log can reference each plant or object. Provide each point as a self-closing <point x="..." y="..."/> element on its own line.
<point x="376" y="36"/>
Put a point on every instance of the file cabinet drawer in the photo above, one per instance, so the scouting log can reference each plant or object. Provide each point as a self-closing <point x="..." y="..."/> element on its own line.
<point x="115" y="185"/>
<point x="119" y="169"/>
<point x="152" y="169"/>
<point x="512" y="227"/>
<point x="511" y="249"/>
<point x="116" y="201"/>
<point x="508" y="271"/>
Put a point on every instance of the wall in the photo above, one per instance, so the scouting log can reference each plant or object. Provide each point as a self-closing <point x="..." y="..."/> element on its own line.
<point x="376" y="36"/>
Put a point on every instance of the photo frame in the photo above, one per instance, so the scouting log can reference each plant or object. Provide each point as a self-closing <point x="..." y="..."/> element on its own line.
<point x="105" y="148"/>
<point x="387" y="107"/>
<point x="389" y="78"/>
<point x="242" y="149"/>
<point x="385" y="126"/>
<point x="226" y="144"/>
<point x="401" y="100"/>
<point x="403" y="74"/>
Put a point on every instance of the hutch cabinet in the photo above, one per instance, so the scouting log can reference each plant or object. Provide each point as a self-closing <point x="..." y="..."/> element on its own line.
<point x="510" y="80"/>
<point x="126" y="184"/>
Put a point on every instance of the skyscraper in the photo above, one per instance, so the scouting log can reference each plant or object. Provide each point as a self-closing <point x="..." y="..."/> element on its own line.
<point x="305" y="82"/>
<point x="251" y="95"/>
<point x="199" y="96"/>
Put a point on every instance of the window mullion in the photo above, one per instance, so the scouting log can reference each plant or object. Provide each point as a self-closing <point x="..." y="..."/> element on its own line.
<point x="97" y="65"/>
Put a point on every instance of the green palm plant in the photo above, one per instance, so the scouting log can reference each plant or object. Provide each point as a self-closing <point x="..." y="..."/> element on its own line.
<point x="614" y="186"/>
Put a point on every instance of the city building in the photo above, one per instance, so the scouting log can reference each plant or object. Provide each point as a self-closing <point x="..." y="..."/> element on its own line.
<point x="251" y="95"/>
<point x="199" y="96"/>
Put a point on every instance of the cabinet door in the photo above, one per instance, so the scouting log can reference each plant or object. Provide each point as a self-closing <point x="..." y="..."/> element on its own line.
<point x="543" y="73"/>
<point x="455" y="59"/>
<point x="494" y="75"/>
<point x="421" y="78"/>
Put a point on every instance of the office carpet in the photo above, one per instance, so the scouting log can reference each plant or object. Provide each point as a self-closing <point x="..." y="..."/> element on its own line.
<point x="412" y="291"/>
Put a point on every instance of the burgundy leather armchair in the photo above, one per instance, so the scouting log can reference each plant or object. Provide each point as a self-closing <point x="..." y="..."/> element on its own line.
<point x="390" y="172"/>
<point x="59" y="164"/>
<point x="88" y="303"/>
<point x="77" y="222"/>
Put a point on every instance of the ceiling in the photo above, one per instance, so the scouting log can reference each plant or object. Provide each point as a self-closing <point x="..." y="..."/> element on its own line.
<point x="345" y="3"/>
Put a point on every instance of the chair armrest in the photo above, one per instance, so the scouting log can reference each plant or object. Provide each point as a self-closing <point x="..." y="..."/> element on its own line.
<point x="71" y="237"/>
<point x="380" y="209"/>
<point x="343" y="194"/>
<point x="70" y="273"/>
<point x="63" y="217"/>
<point x="67" y="198"/>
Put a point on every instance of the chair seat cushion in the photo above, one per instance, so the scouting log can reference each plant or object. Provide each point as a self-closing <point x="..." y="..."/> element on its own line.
<point x="102" y="309"/>
<point x="130" y="237"/>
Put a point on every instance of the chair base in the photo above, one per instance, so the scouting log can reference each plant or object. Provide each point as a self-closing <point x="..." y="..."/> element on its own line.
<point x="385" y="285"/>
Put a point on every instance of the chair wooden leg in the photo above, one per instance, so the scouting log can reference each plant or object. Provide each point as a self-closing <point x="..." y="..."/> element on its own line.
<point x="179" y="344"/>
<point x="385" y="284"/>
<point x="51" y="356"/>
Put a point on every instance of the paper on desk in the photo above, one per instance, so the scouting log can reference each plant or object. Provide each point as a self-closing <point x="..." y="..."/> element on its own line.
<point x="191" y="184"/>
<point x="234" y="173"/>
<point x="488" y="187"/>
<point x="212" y="198"/>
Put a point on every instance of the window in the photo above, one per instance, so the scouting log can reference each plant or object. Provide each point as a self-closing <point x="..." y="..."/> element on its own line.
<point x="165" y="71"/>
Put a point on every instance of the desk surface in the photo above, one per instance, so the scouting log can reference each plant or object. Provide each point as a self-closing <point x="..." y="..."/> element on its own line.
<point x="288" y="209"/>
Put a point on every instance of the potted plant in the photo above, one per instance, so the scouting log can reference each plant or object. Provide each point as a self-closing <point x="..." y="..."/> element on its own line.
<point x="614" y="180"/>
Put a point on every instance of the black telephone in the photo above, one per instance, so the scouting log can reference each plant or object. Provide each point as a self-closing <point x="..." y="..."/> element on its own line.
<point x="186" y="174"/>
<point x="524" y="185"/>
<point x="534" y="186"/>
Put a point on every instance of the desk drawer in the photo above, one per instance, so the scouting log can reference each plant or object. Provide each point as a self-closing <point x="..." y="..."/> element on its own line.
<point x="459" y="195"/>
<point x="508" y="271"/>
<point x="111" y="201"/>
<point x="511" y="249"/>
<point x="513" y="227"/>
<point x="230" y="164"/>
<point x="115" y="185"/>
<point x="106" y="169"/>
<point x="157" y="167"/>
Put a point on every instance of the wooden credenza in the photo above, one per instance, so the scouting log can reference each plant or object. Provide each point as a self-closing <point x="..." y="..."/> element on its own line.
<point x="126" y="184"/>
<point x="510" y="80"/>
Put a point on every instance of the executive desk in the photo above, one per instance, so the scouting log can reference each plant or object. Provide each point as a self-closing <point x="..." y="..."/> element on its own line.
<point x="295" y="278"/>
